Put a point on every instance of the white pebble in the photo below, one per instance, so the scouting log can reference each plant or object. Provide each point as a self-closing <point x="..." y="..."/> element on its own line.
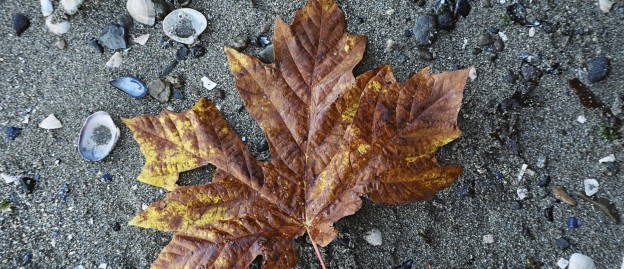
<point x="208" y="84"/>
<point x="532" y="31"/>
<point x="472" y="74"/>
<point x="541" y="162"/>
<point x="390" y="45"/>
<point x="46" y="7"/>
<point x="563" y="263"/>
<point x="488" y="239"/>
<point x="522" y="171"/>
<point x="605" y="5"/>
<point x="503" y="36"/>
<point x="373" y="237"/>
<point x="389" y="12"/>
<point x="51" y="122"/>
<point x="144" y="206"/>
<point x="581" y="119"/>
<point x="608" y="159"/>
<point x="580" y="261"/>
<point x="522" y="193"/>
<point x="103" y="266"/>
<point x="591" y="186"/>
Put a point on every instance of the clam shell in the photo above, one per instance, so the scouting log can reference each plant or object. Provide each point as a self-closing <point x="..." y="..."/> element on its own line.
<point x="98" y="136"/>
<point x="580" y="261"/>
<point x="46" y="7"/>
<point x="184" y="25"/>
<point x="71" y="6"/>
<point x="142" y="11"/>
<point x="130" y="85"/>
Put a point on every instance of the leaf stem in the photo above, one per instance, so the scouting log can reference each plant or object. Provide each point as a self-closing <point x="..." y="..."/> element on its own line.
<point x="318" y="252"/>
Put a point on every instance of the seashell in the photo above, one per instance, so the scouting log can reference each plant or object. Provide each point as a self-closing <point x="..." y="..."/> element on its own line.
<point x="605" y="5"/>
<point x="130" y="85"/>
<point x="20" y="23"/>
<point x="142" y="39"/>
<point x="98" y="136"/>
<point x="58" y="28"/>
<point x="607" y="159"/>
<point x="10" y="178"/>
<point x="184" y="25"/>
<point x="115" y="60"/>
<point x="51" y="122"/>
<point x="563" y="196"/>
<point x="580" y="261"/>
<point x="591" y="186"/>
<point x="71" y="6"/>
<point x="142" y="11"/>
<point x="46" y="7"/>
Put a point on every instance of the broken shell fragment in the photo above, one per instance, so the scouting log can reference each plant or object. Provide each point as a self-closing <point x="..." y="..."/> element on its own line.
<point x="115" y="60"/>
<point x="46" y="7"/>
<point x="563" y="196"/>
<point x="142" y="11"/>
<point x="57" y="28"/>
<point x="98" y="136"/>
<point x="184" y="25"/>
<point x="591" y="186"/>
<point x="51" y="122"/>
<point x="130" y="85"/>
<point x="142" y="39"/>
<point x="71" y="6"/>
<point x="580" y="261"/>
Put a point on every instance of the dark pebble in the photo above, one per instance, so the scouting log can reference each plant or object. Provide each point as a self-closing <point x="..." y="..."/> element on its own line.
<point x="530" y="72"/>
<point x="599" y="69"/>
<point x="485" y="39"/>
<point x="425" y="55"/>
<point x="453" y="67"/>
<point x="464" y="191"/>
<point x="182" y="53"/>
<point x="493" y="30"/>
<point x="107" y="178"/>
<point x="492" y="56"/>
<point x="20" y="23"/>
<point x="113" y="37"/>
<point x="116" y="226"/>
<point x="12" y="133"/>
<point x="562" y="243"/>
<point x="261" y="41"/>
<point x="446" y="21"/>
<point x="574" y="222"/>
<point x="476" y="51"/>
<point x="165" y="42"/>
<point x="548" y="214"/>
<point x="517" y="205"/>
<point x="27" y="258"/>
<point x="197" y="51"/>
<point x="177" y="94"/>
<point x="264" y="145"/>
<point x="161" y="8"/>
<point x="420" y="3"/>
<point x="611" y="168"/>
<point x="221" y="93"/>
<point x="240" y="42"/>
<point x="517" y="13"/>
<point x="405" y="265"/>
<point x="96" y="45"/>
<point x="543" y="181"/>
<point x="424" y="30"/>
<point x="498" y="45"/>
<point x="462" y="8"/>
<point x="169" y="68"/>
<point x="360" y="20"/>
<point x="125" y="21"/>
<point x="28" y="184"/>
<point x="267" y="55"/>
<point x="511" y="77"/>
<point x="407" y="33"/>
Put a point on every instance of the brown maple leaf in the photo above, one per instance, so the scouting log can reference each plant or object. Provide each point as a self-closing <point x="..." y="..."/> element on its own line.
<point x="333" y="138"/>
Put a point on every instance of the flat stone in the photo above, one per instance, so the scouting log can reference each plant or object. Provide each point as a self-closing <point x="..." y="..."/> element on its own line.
<point x="159" y="90"/>
<point x="424" y="30"/>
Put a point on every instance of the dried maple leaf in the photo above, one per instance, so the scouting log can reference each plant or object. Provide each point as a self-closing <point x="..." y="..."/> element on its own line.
<point x="333" y="138"/>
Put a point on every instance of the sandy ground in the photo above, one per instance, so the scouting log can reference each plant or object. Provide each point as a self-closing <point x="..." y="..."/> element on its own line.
<point x="43" y="230"/>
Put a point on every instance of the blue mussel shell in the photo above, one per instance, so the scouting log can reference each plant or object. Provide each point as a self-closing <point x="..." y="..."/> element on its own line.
<point x="130" y="85"/>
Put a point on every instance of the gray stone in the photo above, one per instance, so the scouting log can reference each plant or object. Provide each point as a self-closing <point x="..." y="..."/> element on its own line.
<point x="599" y="69"/>
<point x="159" y="90"/>
<point x="424" y="30"/>
<point x="266" y="55"/>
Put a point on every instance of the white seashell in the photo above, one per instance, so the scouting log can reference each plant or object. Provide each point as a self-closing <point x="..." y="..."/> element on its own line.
<point x="9" y="178"/>
<point x="373" y="237"/>
<point x="532" y="31"/>
<point x="51" y="122"/>
<point x="591" y="186"/>
<point x="608" y="159"/>
<point x="581" y="119"/>
<point x="46" y="7"/>
<point x="605" y="5"/>
<point x="98" y="136"/>
<point x="184" y="25"/>
<point x="142" y="39"/>
<point x="142" y="11"/>
<point x="115" y="60"/>
<point x="472" y="74"/>
<point x="71" y="6"/>
<point x="563" y="263"/>
<point x="57" y="28"/>
<point x="208" y="84"/>
<point x="580" y="261"/>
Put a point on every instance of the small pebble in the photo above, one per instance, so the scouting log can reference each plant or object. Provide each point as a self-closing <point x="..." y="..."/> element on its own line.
<point x="532" y="31"/>
<point x="599" y="69"/>
<point x="484" y="39"/>
<point x="159" y="90"/>
<point x="261" y="41"/>
<point x="548" y="213"/>
<point x="476" y="51"/>
<point x="562" y="243"/>
<point x="177" y="94"/>
<point x="107" y="178"/>
<point x="530" y="72"/>
<point x="240" y="42"/>
<point x="182" y="53"/>
<point x="390" y="45"/>
<point x="373" y="237"/>
<point x="116" y="226"/>
<point x="12" y="132"/>
<point x="27" y="258"/>
<point x="197" y="51"/>
<point x="605" y="5"/>
<point x="491" y="56"/>
<point x="517" y="205"/>
<point x="522" y="193"/>
<point x="511" y="77"/>
<point x="61" y="44"/>
<point x="264" y="145"/>
<point x="446" y="21"/>
<point x="96" y="45"/>
<point x="20" y="23"/>
<point x="591" y="186"/>
<point x="488" y="239"/>
<point x="267" y="55"/>
<point x="28" y="184"/>
<point x="607" y="159"/>
<point x="425" y="55"/>
<point x="580" y="261"/>
<point x="220" y="93"/>
<point x="541" y="162"/>
<point x="574" y="222"/>
<point x="581" y="119"/>
<point x="424" y="30"/>
<point x="498" y="45"/>
<point x="543" y="181"/>
<point x="503" y="36"/>
<point x="493" y="30"/>
<point x="407" y="33"/>
<point x="102" y="266"/>
<point x="562" y="263"/>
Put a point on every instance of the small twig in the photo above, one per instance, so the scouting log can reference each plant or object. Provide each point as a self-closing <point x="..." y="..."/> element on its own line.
<point x="318" y="252"/>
